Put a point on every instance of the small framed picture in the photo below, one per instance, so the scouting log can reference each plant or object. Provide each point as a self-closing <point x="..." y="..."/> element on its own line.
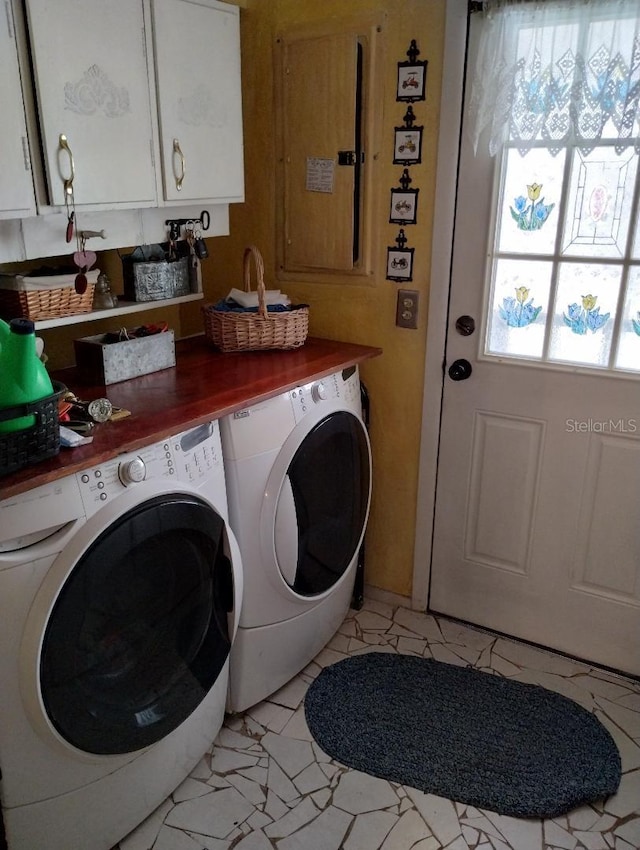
<point x="400" y="263"/>
<point x="404" y="206"/>
<point x="407" y="147"/>
<point x="412" y="77"/>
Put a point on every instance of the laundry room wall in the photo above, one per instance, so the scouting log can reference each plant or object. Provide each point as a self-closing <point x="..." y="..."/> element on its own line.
<point x="341" y="308"/>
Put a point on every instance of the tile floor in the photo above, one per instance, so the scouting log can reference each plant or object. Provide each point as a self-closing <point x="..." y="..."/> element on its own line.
<point x="265" y="784"/>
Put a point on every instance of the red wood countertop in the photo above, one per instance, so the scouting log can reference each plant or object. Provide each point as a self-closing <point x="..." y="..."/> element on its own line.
<point x="203" y="385"/>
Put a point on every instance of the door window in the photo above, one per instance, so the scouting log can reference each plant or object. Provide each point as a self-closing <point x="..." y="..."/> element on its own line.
<point x="563" y="272"/>
<point x="564" y="251"/>
<point x="138" y="634"/>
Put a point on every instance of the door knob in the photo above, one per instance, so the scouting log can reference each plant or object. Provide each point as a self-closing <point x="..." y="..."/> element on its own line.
<point x="465" y="325"/>
<point x="460" y="370"/>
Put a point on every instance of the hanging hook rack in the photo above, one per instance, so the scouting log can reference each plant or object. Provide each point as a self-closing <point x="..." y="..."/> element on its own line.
<point x="175" y="224"/>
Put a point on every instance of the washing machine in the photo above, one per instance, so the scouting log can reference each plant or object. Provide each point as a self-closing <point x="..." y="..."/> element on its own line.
<point x="120" y="591"/>
<point x="298" y="470"/>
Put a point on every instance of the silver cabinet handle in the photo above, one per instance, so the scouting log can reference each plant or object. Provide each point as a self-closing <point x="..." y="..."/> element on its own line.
<point x="183" y="164"/>
<point x="68" y="181"/>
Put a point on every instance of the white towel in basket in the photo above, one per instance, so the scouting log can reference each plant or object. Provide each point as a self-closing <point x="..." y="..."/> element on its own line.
<point x="250" y="299"/>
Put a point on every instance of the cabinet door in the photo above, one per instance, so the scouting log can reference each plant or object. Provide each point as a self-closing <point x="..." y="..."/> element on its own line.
<point x="16" y="183"/>
<point x="92" y="83"/>
<point x="197" y="53"/>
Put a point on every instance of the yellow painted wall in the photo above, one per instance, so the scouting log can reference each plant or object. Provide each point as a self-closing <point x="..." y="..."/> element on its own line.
<point x="340" y="309"/>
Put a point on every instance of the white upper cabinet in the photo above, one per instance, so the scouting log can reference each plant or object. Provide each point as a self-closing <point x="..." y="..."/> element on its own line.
<point x="127" y="104"/>
<point x="16" y="183"/>
<point x="197" y="58"/>
<point x="92" y="83"/>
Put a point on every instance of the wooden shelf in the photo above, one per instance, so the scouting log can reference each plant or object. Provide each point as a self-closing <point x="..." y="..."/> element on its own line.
<point x="122" y="309"/>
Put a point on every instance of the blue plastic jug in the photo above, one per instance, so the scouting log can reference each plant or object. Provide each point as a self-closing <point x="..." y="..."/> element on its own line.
<point x="23" y="376"/>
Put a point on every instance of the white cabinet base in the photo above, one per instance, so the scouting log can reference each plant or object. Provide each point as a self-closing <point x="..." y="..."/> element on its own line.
<point x="44" y="235"/>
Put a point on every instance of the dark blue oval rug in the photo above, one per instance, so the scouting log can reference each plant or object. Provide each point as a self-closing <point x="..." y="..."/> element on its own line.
<point x="514" y="748"/>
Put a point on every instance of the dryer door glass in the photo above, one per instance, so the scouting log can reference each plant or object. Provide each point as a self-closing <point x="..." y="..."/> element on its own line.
<point x="138" y="634"/>
<point x="329" y="478"/>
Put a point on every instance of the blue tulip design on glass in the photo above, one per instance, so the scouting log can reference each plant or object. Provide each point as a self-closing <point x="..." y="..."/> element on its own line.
<point x="518" y="312"/>
<point x="585" y="317"/>
<point x="530" y="213"/>
<point x="636" y="324"/>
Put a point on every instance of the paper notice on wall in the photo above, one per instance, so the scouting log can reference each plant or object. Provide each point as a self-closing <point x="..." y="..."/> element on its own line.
<point x="319" y="174"/>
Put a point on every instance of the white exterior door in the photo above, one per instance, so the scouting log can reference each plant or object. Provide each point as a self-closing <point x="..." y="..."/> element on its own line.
<point x="537" y="512"/>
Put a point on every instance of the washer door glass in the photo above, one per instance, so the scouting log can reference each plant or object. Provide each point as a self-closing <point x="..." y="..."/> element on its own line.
<point x="323" y="504"/>
<point x="138" y="634"/>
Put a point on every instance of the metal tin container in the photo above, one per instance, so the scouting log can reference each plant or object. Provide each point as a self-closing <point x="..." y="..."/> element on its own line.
<point x="155" y="280"/>
<point x="107" y="363"/>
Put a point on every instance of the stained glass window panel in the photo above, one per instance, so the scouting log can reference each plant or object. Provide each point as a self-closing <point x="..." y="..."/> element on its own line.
<point x="599" y="203"/>
<point x="519" y="306"/>
<point x="584" y="313"/>
<point x="529" y="209"/>
<point x="629" y="345"/>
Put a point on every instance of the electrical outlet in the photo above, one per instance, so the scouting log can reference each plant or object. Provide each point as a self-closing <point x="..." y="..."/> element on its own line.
<point x="407" y="308"/>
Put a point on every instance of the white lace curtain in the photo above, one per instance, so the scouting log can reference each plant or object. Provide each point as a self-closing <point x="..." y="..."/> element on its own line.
<point x="558" y="71"/>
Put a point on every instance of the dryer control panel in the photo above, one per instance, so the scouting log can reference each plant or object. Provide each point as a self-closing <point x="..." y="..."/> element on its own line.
<point x="263" y="427"/>
<point x="329" y="389"/>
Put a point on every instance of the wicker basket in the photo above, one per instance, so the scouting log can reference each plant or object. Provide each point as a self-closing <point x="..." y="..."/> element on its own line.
<point x="44" y="298"/>
<point x="259" y="331"/>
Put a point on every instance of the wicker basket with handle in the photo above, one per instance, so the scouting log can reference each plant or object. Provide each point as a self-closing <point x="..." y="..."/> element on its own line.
<point x="235" y="331"/>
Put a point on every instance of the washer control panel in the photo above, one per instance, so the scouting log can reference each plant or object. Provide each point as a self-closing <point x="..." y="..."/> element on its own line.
<point x="197" y="453"/>
<point x="190" y="457"/>
<point x="102" y="483"/>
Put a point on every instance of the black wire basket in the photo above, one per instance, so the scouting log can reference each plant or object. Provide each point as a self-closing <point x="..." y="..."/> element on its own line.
<point x="31" y="445"/>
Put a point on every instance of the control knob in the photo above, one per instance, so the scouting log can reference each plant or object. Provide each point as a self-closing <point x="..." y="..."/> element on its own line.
<point x="318" y="392"/>
<point x="132" y="471"/>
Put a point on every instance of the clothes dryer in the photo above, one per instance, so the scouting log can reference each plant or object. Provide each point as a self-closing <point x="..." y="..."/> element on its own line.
<point x="298" y="472"/>
<point x="120" y="591"/>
